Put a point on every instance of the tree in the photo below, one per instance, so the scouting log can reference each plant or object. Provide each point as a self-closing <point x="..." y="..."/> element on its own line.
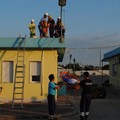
<point x="89" y="67"/>
<point x="105" y="67"/>
<point x="71" y="66"/>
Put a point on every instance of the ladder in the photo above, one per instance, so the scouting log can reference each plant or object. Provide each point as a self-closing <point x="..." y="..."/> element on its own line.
<point x="18" y="88"/>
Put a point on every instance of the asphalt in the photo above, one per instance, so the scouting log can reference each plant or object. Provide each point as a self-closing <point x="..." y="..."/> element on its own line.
<point x="103" y="109"/>
<point x="36" y="110"/>
<point x="67" y="108"/>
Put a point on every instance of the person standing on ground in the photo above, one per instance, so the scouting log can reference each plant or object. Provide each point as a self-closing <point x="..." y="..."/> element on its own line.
<point x="51" y="96"/>
<point x="51" y="24"/>
<point x="86" y="96"/>
<point x="32" y="28"/>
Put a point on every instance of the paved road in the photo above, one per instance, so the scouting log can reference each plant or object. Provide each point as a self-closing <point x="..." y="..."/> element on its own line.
<point x="103" y="109"/>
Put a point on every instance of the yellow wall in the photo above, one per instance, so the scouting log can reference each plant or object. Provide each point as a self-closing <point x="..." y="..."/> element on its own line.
<point x="32" y="91"/>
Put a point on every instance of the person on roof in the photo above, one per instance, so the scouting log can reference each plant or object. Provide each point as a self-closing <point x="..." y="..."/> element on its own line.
<point x="32" y="28"/>
<point x="59" y="28"/>
<point x="51" y="23"/>
<point x="43" y="26"/>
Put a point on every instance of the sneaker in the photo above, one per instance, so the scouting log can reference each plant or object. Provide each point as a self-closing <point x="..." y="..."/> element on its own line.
<point x="51" y="117"/>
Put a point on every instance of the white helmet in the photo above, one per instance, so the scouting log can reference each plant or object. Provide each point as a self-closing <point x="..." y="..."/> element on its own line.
<point x="46" y="14"/>
<point x="59" y="18"/>
<point x="32" y="20"/>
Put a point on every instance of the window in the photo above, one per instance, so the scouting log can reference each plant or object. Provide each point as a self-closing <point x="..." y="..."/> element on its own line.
<point x="117" y="60"/>
<point x="7" y="71"/>
<point x="35" y="70"/>
<point x="114" y="70"/>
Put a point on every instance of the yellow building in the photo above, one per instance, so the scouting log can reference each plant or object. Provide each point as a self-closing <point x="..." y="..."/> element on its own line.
<point x="41" y="57"/>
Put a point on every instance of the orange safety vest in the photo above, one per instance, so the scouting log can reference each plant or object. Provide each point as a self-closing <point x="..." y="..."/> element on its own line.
<point x="45" y="27"/>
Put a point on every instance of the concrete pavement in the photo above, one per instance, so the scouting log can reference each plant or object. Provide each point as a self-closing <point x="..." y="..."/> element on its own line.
<point x="67" y="109"/>
<point x="103" y="109"/>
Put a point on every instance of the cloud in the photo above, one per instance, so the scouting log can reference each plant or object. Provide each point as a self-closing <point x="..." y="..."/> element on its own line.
<point x="94" y="41"/>
<point x="90" y="49"/>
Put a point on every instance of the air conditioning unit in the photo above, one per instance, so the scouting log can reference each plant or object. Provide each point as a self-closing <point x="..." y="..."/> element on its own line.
<point x="36" y="78"/>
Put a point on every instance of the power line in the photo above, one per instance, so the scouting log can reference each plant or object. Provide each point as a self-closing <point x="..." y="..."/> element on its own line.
<point x="101" y="47"/>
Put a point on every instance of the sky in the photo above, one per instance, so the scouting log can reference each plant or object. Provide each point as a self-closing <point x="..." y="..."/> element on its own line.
<point x="92" y="26"/>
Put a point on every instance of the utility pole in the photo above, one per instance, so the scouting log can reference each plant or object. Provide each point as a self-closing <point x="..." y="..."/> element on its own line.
<point x="74" y="65"/>
<point x="70" y="61"/>
<point x="100" y="60"/>
<point x="61" y="3"/>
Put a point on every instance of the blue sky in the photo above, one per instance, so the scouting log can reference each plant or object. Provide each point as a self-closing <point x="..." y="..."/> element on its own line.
<point x="88" y="23"/>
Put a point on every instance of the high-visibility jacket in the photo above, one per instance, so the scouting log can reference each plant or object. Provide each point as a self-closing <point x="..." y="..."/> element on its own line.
<point x="32" y="28"/>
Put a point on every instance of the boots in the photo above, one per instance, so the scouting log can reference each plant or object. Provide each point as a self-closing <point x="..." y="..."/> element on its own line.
<point x="86" y="117"/>
<point x="81" y="117"/>
<point x="51" y="117"/>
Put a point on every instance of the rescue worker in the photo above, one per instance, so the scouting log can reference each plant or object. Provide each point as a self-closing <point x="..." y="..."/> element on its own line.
<point x="45" y="27"/>
<point x="51" y="24"/>
<point x="86" y="96"/>
<point x="32" y="28"/>
<point x="59" y="27"/>
<point x="42" y="25"/>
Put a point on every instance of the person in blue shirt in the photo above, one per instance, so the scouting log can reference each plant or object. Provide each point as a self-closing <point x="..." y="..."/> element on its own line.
<point x="52" y="86"/>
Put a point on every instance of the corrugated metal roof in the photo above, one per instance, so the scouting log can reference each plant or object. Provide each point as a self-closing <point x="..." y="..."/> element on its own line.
<point x="38" y="43"/>
<point x="112" y="53"/>
<point x="35" y="43"/>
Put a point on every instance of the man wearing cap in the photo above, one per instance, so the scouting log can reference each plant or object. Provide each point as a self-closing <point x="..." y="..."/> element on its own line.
<point x="51" y="24"/>
<point x="32" y="28"/>
<point x="40" y="25"/>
